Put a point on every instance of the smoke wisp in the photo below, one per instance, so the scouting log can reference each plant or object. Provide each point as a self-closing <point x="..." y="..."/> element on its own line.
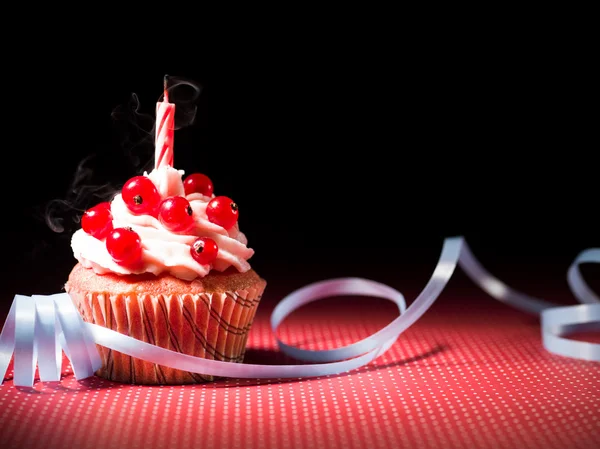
<point x="138" y="129"/>
<point x="81" y="194"/>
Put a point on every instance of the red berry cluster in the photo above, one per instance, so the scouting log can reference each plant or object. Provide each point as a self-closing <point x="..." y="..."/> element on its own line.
<point x="141" y="197"/>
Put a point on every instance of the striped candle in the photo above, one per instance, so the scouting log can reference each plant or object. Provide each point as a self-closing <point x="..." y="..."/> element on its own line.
<point x="165" y="127"/>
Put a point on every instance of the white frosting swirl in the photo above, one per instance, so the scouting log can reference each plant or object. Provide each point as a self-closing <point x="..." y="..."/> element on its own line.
<point x="163" y="250"/>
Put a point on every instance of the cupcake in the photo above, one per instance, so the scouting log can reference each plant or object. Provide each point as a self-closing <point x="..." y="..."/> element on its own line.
<point x="166" y="263"/>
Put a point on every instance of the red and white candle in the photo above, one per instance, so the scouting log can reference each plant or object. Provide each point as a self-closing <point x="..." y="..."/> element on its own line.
<point x="165" y="128"/>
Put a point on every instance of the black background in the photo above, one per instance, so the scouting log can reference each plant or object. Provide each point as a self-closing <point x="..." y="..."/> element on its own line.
<point x="344" y="160"/>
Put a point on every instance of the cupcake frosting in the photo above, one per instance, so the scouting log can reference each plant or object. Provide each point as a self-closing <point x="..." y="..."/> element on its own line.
<point x="163" y="250"/>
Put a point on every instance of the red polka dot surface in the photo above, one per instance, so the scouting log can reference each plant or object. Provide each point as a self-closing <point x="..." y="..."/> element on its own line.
<point x="467" y="374"/>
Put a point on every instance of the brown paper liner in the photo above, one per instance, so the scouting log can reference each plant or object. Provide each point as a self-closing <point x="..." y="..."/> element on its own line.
<point x="209" y="325"/>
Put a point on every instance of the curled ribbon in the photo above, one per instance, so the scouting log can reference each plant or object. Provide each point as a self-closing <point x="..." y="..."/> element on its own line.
<point x="39" y="328"/>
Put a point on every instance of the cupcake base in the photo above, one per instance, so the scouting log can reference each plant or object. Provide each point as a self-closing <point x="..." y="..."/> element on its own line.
<point x="207" y="324"/>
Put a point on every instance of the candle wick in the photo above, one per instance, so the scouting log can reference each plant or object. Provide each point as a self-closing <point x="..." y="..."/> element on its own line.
<point x="165" y="84"/>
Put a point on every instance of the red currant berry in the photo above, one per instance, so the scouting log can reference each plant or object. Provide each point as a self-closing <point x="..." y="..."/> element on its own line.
<point x="141" y="196"/>
<point x="124" y="246"/>
<point x="204" y="250"/>
<point x="198" y="183"/>
<point x="175" y="214"/>
<point x="97" y="221"/>
<point x="222" y="211"/>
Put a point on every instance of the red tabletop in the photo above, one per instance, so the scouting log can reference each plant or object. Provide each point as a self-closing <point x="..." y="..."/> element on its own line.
<point x="471" y="373"/>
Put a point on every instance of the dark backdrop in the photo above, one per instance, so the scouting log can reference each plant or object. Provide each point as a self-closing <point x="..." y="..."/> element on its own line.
<point x="343" y="163"/>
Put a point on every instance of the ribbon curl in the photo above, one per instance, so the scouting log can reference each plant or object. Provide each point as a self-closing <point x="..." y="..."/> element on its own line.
<point x="39" y="328"/>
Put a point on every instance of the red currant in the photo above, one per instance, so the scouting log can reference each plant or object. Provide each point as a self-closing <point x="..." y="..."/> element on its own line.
<point x="204" y="250"/>
<point x="222" y="211"/>
<point x="97" y="221"/>
<point x="124" y="246"/>
<point x="141" y="196"/>
<point x="175" y="214"/>
<point x="198" y="183"/>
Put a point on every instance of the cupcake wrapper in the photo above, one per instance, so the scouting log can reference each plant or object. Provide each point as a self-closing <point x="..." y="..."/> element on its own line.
<point x="209" y="325"/>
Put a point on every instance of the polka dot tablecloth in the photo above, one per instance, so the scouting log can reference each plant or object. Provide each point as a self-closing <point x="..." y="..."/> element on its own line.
<point x="471" y="373"/>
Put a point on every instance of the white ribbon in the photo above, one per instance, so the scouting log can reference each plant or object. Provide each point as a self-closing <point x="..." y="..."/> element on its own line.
<point x="38" y="328"/>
